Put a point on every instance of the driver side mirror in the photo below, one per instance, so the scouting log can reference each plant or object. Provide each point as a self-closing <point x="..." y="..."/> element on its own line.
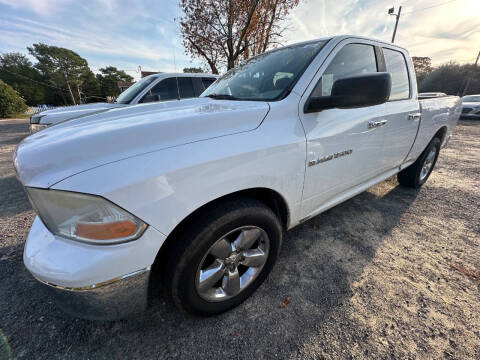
<point x="354" y="92"/>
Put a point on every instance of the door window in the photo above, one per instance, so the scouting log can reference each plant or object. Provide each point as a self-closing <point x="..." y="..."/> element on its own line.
<point x="185" y="87"/>
<point x="397" y="67"/>
<point x="208" y="81"/>
<point x="351" y="60"/>
<point x="164" y="90"/>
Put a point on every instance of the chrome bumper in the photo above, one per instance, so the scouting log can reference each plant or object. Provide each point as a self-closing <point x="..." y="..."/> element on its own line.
<point x="110" y="300"/>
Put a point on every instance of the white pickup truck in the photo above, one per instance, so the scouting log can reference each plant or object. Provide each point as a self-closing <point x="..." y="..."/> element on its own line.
<point x="198" y="192"/>
<point x="156" y="87"/>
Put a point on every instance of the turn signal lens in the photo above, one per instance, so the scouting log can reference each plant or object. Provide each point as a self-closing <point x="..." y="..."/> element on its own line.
<point x="85" y="218"/>
<point x="113" y="230"/>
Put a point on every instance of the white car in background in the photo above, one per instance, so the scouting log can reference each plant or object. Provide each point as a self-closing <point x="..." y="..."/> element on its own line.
<point x="471" y="107"/>
<point x="199" y="191"/>
<point x="152" y="88"/>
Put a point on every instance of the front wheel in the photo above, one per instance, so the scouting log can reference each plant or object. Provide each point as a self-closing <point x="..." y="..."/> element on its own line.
<point x="417" y="174"/>
<point x="223" y="256"/>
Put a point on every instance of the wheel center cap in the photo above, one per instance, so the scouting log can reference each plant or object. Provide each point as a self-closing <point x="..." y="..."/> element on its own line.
<point x="233" y="260"/>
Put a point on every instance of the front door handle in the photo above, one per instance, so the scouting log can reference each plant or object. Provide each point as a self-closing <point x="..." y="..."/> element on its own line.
<point x="414" y="116"/>
<point x="376" y="124"/>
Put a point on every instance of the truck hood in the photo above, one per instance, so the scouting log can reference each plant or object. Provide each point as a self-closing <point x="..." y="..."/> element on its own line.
<point x="55" y="116"/>
<point x="66" y="149"/>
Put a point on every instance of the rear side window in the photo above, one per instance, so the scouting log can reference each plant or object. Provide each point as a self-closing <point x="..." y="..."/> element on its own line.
<point x="207" y="82"/>
<point x="351" y="60"/>
<point x="185" y="87"/>
<point x="397" y="67"/>
<point x="164" y="90"/>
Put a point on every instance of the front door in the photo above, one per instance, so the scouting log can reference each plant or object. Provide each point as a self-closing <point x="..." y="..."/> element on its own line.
<point x="343" y="150"/>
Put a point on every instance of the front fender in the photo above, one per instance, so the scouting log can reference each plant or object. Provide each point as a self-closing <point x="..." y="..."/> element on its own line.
<point x="164" y="187"/>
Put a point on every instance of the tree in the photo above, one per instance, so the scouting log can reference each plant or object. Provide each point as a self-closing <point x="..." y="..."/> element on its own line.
<point x="61" y="67"/>
<point x="221" y="31"/>
<point x="193" y="70"/>
<point x="423" y="67"/>
<point x="450" y="78"/>
<point x="10" y="102"/>
<point x="18" y="72"/>
<point x="90" y="89"/>
<point x="109" y="78"/>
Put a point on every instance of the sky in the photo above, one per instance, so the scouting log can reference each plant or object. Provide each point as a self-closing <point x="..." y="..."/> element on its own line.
<point x="145" y="33"/>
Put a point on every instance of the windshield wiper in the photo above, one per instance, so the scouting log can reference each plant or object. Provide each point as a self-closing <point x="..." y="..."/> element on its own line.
<point x="222" y="97"/>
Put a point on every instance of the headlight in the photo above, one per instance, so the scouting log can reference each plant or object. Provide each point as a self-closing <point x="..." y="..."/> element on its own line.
<point x="86" y="218"/>
<point x="36" y="127"/>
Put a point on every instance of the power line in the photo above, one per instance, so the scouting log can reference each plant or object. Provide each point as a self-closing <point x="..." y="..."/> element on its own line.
<point x="35" y="81"/>
<point x="428" y="7"/>
<point x="470" y="77"/>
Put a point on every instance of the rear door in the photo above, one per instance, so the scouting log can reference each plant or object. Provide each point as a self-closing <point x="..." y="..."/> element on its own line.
<point x="207" y="81"/>
<point x="200" y="84"/>
<point x="185" y="88"/>
<point x="402" y="111"/>
<point x="342" y="149"/>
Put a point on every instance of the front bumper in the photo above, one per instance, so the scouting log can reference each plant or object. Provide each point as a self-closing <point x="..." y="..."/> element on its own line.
<point x="118" y="298"/>
<point x="101" y="282"/>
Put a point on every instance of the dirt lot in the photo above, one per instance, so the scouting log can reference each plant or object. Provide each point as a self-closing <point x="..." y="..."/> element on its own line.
<point x="392" y="273"/>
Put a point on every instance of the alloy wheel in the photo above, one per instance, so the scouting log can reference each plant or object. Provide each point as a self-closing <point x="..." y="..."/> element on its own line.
<point x="428" y="163"/>
<point x="232" y="263"/>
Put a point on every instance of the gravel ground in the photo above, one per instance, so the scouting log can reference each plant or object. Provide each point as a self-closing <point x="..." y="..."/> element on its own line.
<point x="391" y="273"/>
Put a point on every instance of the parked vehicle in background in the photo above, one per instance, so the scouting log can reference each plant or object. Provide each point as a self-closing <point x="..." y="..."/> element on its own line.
<point x="429" y="95"/>
<point x="471" y="107"/>
<point x="152" y="88"/>
<point x="199" y="191"/>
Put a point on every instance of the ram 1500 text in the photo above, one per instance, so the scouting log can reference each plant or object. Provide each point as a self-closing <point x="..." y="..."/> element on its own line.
<point x="200" y="190"/>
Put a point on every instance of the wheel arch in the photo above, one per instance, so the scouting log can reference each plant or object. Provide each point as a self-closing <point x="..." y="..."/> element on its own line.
<point x="441" y="133"/>
<point x="271" y="198"/>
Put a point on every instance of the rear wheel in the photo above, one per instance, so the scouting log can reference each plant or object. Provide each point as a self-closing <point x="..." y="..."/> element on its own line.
<point x="223" y="256"/>
<point x="417" y="174"/>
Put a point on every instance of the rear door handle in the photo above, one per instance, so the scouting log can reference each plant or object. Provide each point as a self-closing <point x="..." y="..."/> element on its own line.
<point x="414" y="116"/>
<point x="376" y="124"/>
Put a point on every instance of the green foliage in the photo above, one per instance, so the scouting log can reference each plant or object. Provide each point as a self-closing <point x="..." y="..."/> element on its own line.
<point x="10" y="102"/>
<point x="91" y="88"/>
<point x="62" y="68"/>
<point x="18" y="72"/>
<point x="108" y="80"/>
<point x="193" y="70"/>
<point x="423" y="67"/>
<point x="451" y="78"/>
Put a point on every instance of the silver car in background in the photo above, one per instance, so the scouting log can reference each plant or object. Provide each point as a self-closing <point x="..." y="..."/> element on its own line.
<point x="471" y="107"/>
<point x="156" y="87"/>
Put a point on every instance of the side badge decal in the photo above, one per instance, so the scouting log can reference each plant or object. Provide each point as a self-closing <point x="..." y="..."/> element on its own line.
<point x="330" y="157"/>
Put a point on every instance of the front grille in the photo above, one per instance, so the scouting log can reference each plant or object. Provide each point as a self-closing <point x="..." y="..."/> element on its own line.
<point x="466" y="110"/>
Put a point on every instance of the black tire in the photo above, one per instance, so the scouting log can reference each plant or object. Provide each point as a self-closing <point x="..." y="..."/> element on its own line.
<point x="202" y="232"/>
<point x="411" y="176"/>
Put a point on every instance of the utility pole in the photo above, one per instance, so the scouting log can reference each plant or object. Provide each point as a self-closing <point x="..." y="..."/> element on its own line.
<point x="391" y="12"/>
<point x="470" y="78"/>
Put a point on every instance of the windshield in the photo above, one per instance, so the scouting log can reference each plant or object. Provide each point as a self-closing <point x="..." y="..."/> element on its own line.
<point x="129" y="94"/>
<point x="471" y="98"/>
<point x="266" y="77"/>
